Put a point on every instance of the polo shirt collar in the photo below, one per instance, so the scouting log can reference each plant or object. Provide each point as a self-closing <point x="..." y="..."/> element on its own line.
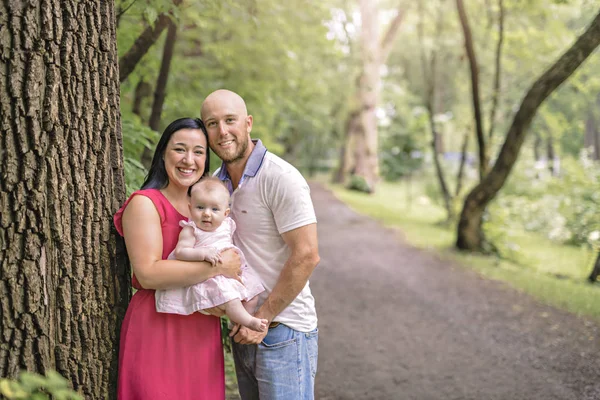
<point x="254" y="161"/>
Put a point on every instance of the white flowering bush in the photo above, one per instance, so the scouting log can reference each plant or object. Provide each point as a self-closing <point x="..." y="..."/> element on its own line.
<point x="565" y="208"/>
<point x="580" y="205"/>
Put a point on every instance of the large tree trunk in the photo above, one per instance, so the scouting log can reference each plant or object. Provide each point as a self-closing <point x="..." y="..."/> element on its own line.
<point x="160" y="91"/>
<point x="64" y="279"/>
<point x="470" y="49"/>
<point x="469" y="235"/>
<point x="364" y="161"/>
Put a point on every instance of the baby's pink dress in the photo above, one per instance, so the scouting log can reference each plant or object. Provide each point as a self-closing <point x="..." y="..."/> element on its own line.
<point x="214" y="291"/>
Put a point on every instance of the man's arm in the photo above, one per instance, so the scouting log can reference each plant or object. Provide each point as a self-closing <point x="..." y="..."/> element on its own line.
<point x="303" y="259"/>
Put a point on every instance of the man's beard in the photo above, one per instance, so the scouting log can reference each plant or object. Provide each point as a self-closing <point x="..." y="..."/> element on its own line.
<point x="237" y="156"/>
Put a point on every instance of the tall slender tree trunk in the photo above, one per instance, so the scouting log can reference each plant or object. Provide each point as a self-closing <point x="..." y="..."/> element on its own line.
<point x="537" y="145"/>
<point x="439" y="170"/>
<point x="346" y="156"/>
<point x="160" y="91"/>
<point x="595" y="271"/>
<point x="469" y="234"/>
<point x="367" y="161"/>
<point x="430" y="99"/>
<point x="463" y="160"/>
<point x="592" y="131"/>
<point x="64" y="281"/>
<point x="142" y="90"/>
<point x="596" y="155"/>
<point x="498" y="70"/>
<point x="551" y="155"/>
<point x="470" y="49"/>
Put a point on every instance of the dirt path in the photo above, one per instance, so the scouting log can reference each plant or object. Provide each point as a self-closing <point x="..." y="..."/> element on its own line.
<point x="400" y="323"/>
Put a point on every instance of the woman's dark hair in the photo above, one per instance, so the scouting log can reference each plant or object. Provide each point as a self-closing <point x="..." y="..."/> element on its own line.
<point x="157" y="177"/>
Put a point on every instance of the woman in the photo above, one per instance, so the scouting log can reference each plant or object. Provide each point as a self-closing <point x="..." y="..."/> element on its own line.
<point x="169" y="356"/>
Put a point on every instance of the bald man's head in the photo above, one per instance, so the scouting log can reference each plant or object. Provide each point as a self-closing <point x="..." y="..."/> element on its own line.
<point x="228" y="125"/>
<point x="223" y="97"/>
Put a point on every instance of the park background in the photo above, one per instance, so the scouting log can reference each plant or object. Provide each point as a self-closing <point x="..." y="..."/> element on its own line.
<point x="469" y="125"/>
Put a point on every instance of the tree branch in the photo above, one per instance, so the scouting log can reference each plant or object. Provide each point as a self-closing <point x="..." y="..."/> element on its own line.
<point x="147" y="38"/>
<point x="496" y="93"/>
<point x="390" y="35"/>
<point x="474" y="87"/>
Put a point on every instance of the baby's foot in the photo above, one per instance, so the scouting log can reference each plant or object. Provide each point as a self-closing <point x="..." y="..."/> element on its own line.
<point x="258" y="325"/>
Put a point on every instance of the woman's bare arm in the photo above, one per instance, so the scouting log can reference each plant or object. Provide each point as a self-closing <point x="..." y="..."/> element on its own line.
<point x="143" y="237"/>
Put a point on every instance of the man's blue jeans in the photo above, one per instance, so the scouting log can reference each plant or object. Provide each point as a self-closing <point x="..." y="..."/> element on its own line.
<point x="282" y="367"/>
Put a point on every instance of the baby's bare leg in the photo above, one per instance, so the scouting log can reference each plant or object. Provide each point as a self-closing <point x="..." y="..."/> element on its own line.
<point x="250" y="305"/>
<point x="238" y="314"/>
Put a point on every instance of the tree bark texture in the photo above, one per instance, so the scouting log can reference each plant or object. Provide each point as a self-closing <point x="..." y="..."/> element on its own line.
<point x="469" y="235"/>
<point x="470" y="49"/>
<point x="64" y="280"/>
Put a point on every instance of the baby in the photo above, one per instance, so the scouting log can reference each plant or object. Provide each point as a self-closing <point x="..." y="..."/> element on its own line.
<point x="209" y="232"/>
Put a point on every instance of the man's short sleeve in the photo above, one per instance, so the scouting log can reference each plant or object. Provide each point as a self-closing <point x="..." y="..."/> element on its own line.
<point x="290" y="202"/>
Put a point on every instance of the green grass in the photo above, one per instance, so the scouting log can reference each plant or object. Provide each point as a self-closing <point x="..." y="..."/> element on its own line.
<point x="554" y="274"/>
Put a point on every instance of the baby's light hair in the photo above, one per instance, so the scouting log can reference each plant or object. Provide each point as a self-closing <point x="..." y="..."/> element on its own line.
<point x="210" y="184"/>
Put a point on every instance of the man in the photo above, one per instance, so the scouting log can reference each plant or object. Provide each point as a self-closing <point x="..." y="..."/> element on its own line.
<point x="277" y="231"/>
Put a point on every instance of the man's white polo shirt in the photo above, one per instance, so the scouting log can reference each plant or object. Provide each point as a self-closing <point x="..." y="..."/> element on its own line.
<point x="272" y="198"/>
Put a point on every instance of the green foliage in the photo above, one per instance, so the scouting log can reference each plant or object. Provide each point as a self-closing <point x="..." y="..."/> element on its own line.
<point x="401" y="148"/>
<point x="136" y="137"/>
<point x="275" y="55"/>
<point x="359" y="184"/>
<point x="565" y="209"/>
<point x="580" y="200"/>
<point x="32" y="386"/>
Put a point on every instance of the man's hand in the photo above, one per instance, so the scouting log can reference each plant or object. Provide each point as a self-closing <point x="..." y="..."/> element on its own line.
<point x="243" y="335"/>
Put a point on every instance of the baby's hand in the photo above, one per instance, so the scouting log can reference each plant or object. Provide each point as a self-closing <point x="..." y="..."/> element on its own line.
<point x="213" y="256"/>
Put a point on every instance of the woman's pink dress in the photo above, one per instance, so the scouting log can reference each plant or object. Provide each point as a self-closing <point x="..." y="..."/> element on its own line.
<point x="167" y="356"/>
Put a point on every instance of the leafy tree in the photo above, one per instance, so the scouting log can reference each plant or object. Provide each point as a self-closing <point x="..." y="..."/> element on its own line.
<point x="469" y="235"/>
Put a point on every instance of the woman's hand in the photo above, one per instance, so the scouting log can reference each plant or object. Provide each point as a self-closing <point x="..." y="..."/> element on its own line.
<point x="230" y="265"/>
